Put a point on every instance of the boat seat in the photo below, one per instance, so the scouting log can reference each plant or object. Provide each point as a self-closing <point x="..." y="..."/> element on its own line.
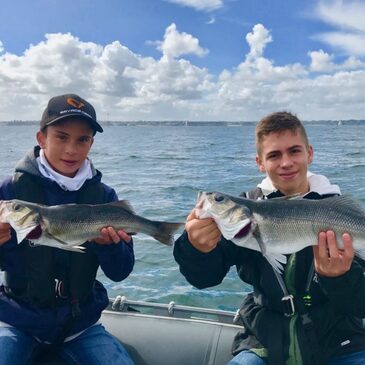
<point x="165" y="340"/>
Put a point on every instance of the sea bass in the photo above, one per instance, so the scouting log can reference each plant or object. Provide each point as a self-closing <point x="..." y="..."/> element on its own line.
<point x="68" y="226"/>
<point x="284" y="225"/>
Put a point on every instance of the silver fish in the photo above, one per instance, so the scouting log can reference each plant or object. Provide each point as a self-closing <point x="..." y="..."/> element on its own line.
<point x="281" y="226"/>
<point x="68" y="226"/>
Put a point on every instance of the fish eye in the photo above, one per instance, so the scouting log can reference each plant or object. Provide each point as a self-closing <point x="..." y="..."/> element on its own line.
<point x="16" y="207"/>
<point x="219" y="198"/>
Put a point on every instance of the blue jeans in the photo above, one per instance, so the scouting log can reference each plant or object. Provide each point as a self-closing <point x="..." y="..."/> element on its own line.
<point x="356" y="358"/>
<point x="95" y="346"/>
<point x="249" y="358"/>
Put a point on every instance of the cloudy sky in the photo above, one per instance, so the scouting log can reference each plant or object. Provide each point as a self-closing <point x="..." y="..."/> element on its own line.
<point x="185" y="59"/>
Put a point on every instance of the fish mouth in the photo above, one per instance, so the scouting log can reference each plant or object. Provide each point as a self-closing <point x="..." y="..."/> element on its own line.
<point x="243" y="232"/>
<point x="35" y="233"/>
<point x="200" y="199"/>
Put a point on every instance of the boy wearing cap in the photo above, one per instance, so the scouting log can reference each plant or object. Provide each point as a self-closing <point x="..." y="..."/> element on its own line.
<point x="50" y="298"/>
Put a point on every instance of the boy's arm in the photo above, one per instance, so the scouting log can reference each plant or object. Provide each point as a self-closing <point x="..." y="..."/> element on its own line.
<point x="116" y="260"/>
<point x="203" y="255"/>
<point x="197" y="253"/>
<point x="200" y="269"/>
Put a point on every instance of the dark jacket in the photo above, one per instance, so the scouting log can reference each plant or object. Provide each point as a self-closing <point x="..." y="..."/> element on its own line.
<point x="336" y="307"/>
<point x="116" y="261"/>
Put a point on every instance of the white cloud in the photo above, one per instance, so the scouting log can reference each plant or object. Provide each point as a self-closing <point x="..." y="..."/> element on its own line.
<point x="324" y="62"/>
<point x="258" y="40"/>
<point x="321" y="61"/>
<point x="348" y="14"/>
<point x="350" y="44"/>
<point x="352" y="63"/>
<point x="257" y="85"/>
<point x="124" y="85"/>
<point x="111" y="70"/>
<point x="120" y="83"/>
<point x="348" y="20"/>
<point x="1" y="47"/>
<point x="205" y="5"/>
<point x="176" y="44"/>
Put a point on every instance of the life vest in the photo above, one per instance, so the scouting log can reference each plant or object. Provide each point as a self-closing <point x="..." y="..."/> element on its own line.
<point x="39" y="285"/>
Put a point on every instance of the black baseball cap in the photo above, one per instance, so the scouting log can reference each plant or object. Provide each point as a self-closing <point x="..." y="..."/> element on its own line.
<point x="64" y="106"/>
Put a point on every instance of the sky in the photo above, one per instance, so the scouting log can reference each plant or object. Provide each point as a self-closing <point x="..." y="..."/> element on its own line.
<point x="202" y="60"/>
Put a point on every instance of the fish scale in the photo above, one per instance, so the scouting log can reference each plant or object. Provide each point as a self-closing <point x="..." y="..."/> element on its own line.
<point x="284" y="225"/>
<point x="68" y="226"/>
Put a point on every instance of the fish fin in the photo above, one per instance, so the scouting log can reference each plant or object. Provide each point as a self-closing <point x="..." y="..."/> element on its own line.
<point x="352" y="205"/>
<point x="80" y="249"/>
<point x="166" y="232"/>
<point x="123" y="204"/>
<point x="59" y="246"/>
<point x="276" y="260"/>
<point x="47" y="239"/>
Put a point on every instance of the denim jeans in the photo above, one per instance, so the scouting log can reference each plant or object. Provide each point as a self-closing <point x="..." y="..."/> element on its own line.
<point x="95" y="346"/>
<point x="249" y="358"/>
<point x="356" y="358"/>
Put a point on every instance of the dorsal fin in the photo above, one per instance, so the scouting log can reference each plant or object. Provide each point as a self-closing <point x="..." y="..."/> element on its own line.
<point x="347" y="201"/>
<point x="123" y="204"/>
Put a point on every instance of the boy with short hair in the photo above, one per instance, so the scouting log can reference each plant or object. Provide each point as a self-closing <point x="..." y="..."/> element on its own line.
<point x="50" y="297"/>
<point x="312" y="313"/>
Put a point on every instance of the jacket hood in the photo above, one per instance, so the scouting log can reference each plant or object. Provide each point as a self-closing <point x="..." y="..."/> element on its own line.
<point x="29" y="165"/>
<point x="317" y="183"/>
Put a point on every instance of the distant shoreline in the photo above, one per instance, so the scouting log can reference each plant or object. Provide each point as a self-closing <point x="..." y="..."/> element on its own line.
<point x="189" y="123"/>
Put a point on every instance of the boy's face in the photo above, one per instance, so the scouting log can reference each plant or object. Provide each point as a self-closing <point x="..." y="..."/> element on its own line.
<point x="66" y="144"/>
<point x="285" y="157"/>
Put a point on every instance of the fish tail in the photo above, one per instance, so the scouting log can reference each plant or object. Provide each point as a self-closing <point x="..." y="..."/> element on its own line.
<point x="165" y="233"/>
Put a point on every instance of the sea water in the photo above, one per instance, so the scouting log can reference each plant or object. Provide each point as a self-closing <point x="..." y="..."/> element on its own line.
<point x="160" y="170"/>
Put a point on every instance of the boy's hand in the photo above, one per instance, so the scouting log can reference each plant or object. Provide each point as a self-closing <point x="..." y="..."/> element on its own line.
<point x="109" y="235"/>
<point x="5" y="233"/>
<point x="203" y="233"/>
<point x="328" y="259"/>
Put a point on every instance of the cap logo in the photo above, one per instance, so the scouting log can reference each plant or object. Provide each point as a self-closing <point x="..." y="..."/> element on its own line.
<point x="75" y="103"/>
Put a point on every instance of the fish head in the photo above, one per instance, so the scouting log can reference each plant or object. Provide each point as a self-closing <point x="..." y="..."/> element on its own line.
<point x="20" y="216"/>
<point x="233" y="218"/>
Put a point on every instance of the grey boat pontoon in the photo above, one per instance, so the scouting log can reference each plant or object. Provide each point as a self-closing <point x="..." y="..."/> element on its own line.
<point x="168" y="334"/>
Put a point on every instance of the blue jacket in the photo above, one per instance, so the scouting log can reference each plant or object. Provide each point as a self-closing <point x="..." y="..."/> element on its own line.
<point x="116" y="261"/>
